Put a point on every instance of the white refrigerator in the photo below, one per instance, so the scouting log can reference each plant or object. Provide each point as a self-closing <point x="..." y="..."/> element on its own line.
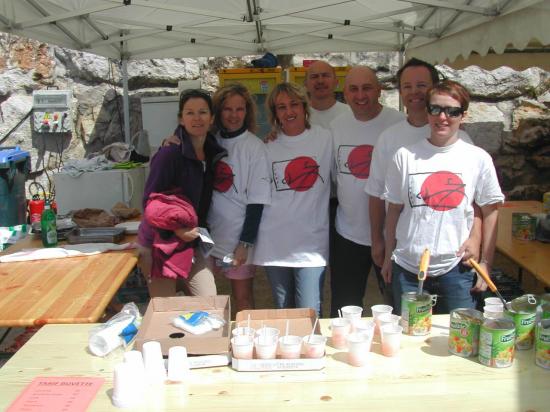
<point x="101" y="189"/>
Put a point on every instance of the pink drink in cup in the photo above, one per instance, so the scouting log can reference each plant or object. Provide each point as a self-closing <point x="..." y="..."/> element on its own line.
<point x="242" y="346"/>
<point x="377" y="310"/>
<point x="391" y="339"/>
<point x="358" y="348"/>
<point x="353" y="313"/>
<point x="314" y="346"/>
<point x="290" y="347"/>
<point x="341" y="328"/>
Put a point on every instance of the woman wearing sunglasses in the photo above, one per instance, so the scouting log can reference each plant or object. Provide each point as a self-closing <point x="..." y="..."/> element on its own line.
<point x="431" y="187"/>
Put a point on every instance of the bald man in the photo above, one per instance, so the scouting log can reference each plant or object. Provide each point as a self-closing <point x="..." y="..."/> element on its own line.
<point x="355" y="135"/>
<point x="320" y="83"/>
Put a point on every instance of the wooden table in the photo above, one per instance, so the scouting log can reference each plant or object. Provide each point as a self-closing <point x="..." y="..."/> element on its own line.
<point x="425" y="377"/>
<point x="70" y="290"/>
<point x="533" y="256"/>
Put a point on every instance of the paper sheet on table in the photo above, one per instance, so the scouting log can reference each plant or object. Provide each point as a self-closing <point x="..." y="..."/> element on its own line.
<point x="206" y="244"/>
<point x="57" y="394"/>
<point x="84" y="249"/>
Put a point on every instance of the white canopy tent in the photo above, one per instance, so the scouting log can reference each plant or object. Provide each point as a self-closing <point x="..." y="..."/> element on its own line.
<point x="434" y="30"/>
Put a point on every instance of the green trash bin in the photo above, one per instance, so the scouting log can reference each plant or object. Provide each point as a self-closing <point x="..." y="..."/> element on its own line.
<point x="14" y="168"/>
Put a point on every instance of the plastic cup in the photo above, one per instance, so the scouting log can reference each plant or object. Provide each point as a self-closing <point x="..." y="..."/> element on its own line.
<point x="353" y="313"/>
<point x="154" y="363"/>
<point x="290" y="347"/>
<point x="243" y="330"/>
<point x="267" y="331"/>
<point x="242" y="346"/>
<point x="314" y="346"/>
<point x="340" y="328"/>
<point x="365" y="326"/>
<point x="125" y="394"/>
<point x="391" y="339"/>
<point x="178" y="365"/>
<point x="388" y="319"/>
<point x="266" y="346"/>
<point x="493" y="301"/>
<point x="493" y="311"/>
<point x="377" y="310"/>
<point x="358" y="348"/>
<point x="135" y="359"/>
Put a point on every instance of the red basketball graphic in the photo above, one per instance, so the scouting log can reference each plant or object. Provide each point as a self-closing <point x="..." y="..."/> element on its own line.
<point x="223" y="177"/>
<point x="359" y="161"/>
<point x="442" y="191"/>
<point x="301" y="173"/>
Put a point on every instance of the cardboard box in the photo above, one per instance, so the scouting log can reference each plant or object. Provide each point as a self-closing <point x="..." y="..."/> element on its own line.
<point x="301" y="322"/>
<point x="157" y="325"/>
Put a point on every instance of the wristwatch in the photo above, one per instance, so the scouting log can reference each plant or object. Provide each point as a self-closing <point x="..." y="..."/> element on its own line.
<point x="244" y="244"/>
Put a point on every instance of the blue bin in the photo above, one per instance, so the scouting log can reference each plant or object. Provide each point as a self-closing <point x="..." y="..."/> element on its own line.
<point x="14" y="168"/>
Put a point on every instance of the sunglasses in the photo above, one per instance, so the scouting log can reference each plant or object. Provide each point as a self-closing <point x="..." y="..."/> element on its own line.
<point x="449" y="111"/>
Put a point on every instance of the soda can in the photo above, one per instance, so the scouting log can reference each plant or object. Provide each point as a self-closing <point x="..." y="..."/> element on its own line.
<point x="546" y="202"/>
<point x="542" y="344"/>
<point x="523" y="226"/>
<point x="496" y="343"/>
<point x="464" y="332"/>
<point x="416" y="313"/>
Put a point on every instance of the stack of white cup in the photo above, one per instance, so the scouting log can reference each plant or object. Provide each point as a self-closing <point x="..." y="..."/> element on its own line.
<point x="493" y="309"/>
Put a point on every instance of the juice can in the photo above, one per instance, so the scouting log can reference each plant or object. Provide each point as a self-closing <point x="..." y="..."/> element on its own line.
<point x="523" y="312"/>
<point x="545" y="298"/>
<point x="464" y="332"/>
<point x="496" y="343"/>
<point x="416" y="313"/>
<point x="542" y="344"/>
<point x="523" y="226"/>
<point x="545" y="311"/>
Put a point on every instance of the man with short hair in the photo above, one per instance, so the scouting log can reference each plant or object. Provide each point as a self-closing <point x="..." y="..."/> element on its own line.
<point x="414" y="80"/>
<point x="355" y="135"/>
<point x="320" y="83"/>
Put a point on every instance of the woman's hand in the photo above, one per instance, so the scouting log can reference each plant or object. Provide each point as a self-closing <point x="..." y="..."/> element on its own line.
<point x="240" y="255"/>
<point x="187" y="234"/>
<point x="173" y="139"/>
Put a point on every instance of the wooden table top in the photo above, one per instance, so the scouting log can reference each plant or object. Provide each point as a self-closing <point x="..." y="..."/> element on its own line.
<point x="70" y="290"/>
<point x="532" y="255"/>
<point x="425" y="377"/>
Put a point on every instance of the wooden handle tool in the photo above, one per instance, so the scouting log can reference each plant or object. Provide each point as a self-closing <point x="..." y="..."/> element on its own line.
<point x="423" y="269"/>
<point x="486" y="278"/>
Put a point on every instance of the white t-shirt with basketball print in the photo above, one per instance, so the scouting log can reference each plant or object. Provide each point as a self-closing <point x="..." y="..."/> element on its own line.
<point x="399" y="135"/>
<point x="294" y="227"/>
<point x="241" y="178"/>
<point x="437" y="187"/>
<point x="354" y="142"/>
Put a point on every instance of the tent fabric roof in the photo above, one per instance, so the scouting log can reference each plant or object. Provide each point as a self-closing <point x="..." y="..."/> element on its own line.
<point x="146" y="29"/>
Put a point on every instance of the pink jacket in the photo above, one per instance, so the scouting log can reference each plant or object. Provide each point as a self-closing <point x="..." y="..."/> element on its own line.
<point x="172" y="257"/>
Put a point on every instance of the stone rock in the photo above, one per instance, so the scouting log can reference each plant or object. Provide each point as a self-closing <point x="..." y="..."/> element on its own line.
<point x="531" y="125"/>
<point x="499" y="84"/>
<point x="12" y="111"/>
<point x="85" y="67"/>
<point x="484" y="124"/>
<point x="532" y="191"/>
<point x="161" y="72"/>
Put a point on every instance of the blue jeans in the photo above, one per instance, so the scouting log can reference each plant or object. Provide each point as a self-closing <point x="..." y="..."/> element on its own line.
<point x="452" y="288"/>
<point x="297" y="287"/>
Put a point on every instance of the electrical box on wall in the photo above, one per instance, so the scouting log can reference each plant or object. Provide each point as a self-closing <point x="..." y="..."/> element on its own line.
<point x="51" y="111"/>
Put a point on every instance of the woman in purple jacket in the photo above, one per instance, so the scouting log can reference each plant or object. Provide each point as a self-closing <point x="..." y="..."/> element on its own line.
<point x="188" y="168"/>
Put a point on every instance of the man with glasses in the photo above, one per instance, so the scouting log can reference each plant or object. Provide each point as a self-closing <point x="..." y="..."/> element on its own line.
<point x="414" y="80"/>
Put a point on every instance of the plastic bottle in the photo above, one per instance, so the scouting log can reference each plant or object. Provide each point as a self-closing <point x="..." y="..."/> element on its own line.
<point x="48" y="226"/>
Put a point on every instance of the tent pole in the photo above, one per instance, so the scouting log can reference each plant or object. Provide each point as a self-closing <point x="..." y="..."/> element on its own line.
<point x="125" y="101"/>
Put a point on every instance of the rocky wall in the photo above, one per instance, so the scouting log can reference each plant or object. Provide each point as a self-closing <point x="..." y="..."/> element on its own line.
<point x="509" y="115"/>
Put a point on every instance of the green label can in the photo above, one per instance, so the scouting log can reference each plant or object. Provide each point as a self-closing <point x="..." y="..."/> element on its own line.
<point x="523" y="226"/>
<point x="542" y="344"/>
<point x="545" y="311"/>
<point x="416" y="313"/>
<point x="464" y="332"/>
<point x="523" y="311"/>
<point x="545" y="298"/>
<point x="496" y="343"/>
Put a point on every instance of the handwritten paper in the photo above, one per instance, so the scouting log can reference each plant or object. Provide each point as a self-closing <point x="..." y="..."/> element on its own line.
<point x="57" y="394"/>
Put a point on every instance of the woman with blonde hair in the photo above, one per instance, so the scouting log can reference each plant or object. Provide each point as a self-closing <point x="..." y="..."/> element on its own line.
<point x="293" y="236"/>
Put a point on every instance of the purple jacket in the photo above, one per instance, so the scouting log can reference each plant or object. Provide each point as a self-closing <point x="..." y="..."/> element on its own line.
<point x="177" y="167"/>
